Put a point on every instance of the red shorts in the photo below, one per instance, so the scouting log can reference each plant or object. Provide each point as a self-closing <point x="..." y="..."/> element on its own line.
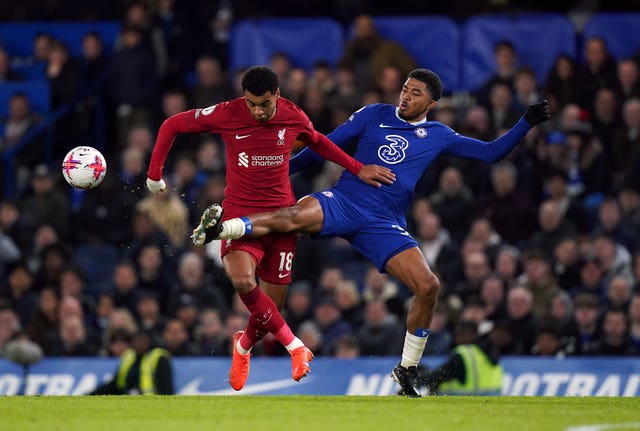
<point x="273" y="254"/>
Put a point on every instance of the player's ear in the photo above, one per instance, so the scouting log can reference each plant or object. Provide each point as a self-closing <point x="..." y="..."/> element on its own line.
<point x="432" y="104"/>
<point x="277" y="92"/>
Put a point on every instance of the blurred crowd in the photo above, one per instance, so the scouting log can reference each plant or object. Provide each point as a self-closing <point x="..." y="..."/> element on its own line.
<point x="542" y="250"/>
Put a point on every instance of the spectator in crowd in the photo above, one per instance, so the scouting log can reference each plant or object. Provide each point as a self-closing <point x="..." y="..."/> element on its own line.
<point x="526" y="89"/>
<point x="72" y="339"/>
<point x="329" y="321"/>
<point x="46" y="205"/>
<point x="548" y="343"/>
<point x="209" y="334"/>
<point x="507" y="264"/>
<point x="453" y="202"/>
<point x="149" y="317"/>
<point x="55" y="258"/>
<point x="560" y="313"/>
<point x="561" y="82"/>
<point x="626" y="143"/>
<point x="19" y="122"/>
<point x="619" y="292"/>
<point x="493" y="294"/>
<point x="381" y="333"/>
<point x="169" y="213"/>
<point x="193" y="285"/>
<point x="591" y="278"/>
<point x="629" y="198"/>
<point x="615" y="336"/>
<point x="311" y="336"/>
<point x="9" y="326"/>
<point x="628" y="79"/>
<point x="506" y="62"/>
<point x="19" y="293"/>
<point x="610" y="222"/>
<point x="153" y="275"/>
<point x="476" y="268"/>
<point x="440" y="339"/>
<point x="143" y="369"/>
<point x="510" y="210"/>
<point x="598" y="71"/>
<point x="523" y="323"/>
<point x="606" y="120"/>
<point x="298" y="307"/>
<point x="586" y="335"/>
<point x="347" y="347"/>
<point x="380" y="286"/>
<point x="125" y="282"/>
<point x="438" y="249"/>
<point x="614" y="258"/>
<point x="471" y="369"/>
<point x="502" y="110"/>
<point x="369" y="53"/>
<point x="348" y="300"/>
<point x="553" y="228"/>
<point x="175" y="339"/>
<point x="44" y="321"/>
<point x="567" y="262"/>
<point x="634" y="321"/>
<point x="209" y="88"/>
<point x="539" y="280"/>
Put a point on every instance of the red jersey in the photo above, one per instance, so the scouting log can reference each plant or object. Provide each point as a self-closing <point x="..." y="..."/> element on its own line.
<point x="257" y="153"/>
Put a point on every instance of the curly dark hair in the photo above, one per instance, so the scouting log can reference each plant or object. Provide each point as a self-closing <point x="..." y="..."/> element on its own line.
<point x="431" y="79"/>
<point x="260" y="79"/>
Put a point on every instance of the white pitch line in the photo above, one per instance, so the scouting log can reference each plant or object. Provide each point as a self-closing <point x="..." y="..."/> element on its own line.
<point x="603" y="427"/>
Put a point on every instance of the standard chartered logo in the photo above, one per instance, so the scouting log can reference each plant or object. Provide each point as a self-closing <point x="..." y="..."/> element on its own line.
<point x="260" y="160"/>
<point x="243" y="159"/>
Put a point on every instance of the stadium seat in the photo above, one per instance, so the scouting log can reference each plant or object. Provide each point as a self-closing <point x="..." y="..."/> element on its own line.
<point x="37" y="91"/>
<point x="97" y="262"/>
<point x="305" y="40"/>
<point x="433" y="41"/>
<point x="620" y="31"/>
<point x="31" y="71"/>
<point x="18" y="37"/>
<point x="538" y="39"/>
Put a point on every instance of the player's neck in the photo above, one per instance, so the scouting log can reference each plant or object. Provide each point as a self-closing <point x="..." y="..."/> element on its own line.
<point x="413" y="121"/>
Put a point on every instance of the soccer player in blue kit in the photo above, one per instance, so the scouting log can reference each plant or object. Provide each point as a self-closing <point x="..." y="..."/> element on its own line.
<point x="371" y="218"/>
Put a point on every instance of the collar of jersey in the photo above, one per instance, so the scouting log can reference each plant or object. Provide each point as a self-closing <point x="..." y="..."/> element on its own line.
<point x="423" y="121"/>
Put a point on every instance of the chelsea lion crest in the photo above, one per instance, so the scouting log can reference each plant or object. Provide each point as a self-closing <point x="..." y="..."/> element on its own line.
<point x="421" y="132"/>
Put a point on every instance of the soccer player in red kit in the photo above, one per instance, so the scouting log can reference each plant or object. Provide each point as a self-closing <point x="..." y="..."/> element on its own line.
<point x="259" y="131"/>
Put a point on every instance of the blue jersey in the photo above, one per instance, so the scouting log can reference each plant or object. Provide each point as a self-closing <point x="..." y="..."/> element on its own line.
<point x="373" y="219"/>
<point x="407" y="149"/>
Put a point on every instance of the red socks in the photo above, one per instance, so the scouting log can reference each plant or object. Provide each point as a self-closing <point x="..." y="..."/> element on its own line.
<point x="264" y="318"/>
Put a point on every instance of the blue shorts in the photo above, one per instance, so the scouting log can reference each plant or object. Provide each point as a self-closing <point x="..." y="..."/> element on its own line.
<point x="377" y="235"/>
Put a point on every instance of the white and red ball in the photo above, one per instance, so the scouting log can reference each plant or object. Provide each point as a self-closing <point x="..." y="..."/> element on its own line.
<point x="84" y="167"/>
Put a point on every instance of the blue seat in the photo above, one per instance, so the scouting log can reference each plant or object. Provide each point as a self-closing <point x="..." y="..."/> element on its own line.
<point x="433" y="41"/>
<point x="17" y="37"/>
<point x="620" y="31"/>
<point x="38" y="93"/>
<point x="538" y="39"/>
<point x="305" y="40"/>
<point x="98" y="263"/>
<point x="31" y="71"/>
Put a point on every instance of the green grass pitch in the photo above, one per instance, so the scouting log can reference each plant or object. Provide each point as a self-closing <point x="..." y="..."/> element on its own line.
<point x="309" y="413"/>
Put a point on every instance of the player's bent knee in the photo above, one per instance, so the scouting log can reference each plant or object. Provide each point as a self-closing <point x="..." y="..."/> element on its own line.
<point x="242" y="284"/>
<point x="428" y="290"/>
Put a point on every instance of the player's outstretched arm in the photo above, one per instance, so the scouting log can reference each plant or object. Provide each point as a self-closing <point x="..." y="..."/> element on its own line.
<point x="464" y="146"/>
<point x="374" y="175"/>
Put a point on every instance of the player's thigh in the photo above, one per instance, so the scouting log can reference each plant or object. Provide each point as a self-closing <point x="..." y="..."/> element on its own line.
<point x="276" y="265"/>
<point x="307" y="215"/>
<point x="411" y="268"/>
<point x="240" y="260"/>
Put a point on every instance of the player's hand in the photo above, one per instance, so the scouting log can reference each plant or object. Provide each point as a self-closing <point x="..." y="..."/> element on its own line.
<point x="375" y="175"/>
<point x="156" y="186"/>
<point x="537" y="113"/>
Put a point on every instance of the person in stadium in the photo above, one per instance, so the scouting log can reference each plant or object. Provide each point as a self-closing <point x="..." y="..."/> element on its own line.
<point x="259" y="131"/>
<point x="471" y="369"/>
<point x="373" y="219"/>
<point x="143" y="369"/>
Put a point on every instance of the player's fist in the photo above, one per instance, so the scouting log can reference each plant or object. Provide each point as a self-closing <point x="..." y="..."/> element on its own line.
<point x="156" y="186"/>
<point x="537" y="113"/>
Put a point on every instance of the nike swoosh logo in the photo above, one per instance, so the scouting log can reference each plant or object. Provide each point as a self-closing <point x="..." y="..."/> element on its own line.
<point x="283" y="275"/>
<point x="242" y="136"/>
<point x="384" y="125"/>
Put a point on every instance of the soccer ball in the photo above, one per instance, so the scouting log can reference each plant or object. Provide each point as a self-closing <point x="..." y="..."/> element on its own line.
<point x="84" y="167"/>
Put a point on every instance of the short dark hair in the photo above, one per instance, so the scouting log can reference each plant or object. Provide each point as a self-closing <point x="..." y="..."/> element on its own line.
<point x="260" y="79"/>
<point x="431" y="80"/>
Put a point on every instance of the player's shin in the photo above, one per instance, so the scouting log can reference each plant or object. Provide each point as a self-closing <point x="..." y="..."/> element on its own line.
<point x="236" y="228"/>
<point x="414" y="347"/>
